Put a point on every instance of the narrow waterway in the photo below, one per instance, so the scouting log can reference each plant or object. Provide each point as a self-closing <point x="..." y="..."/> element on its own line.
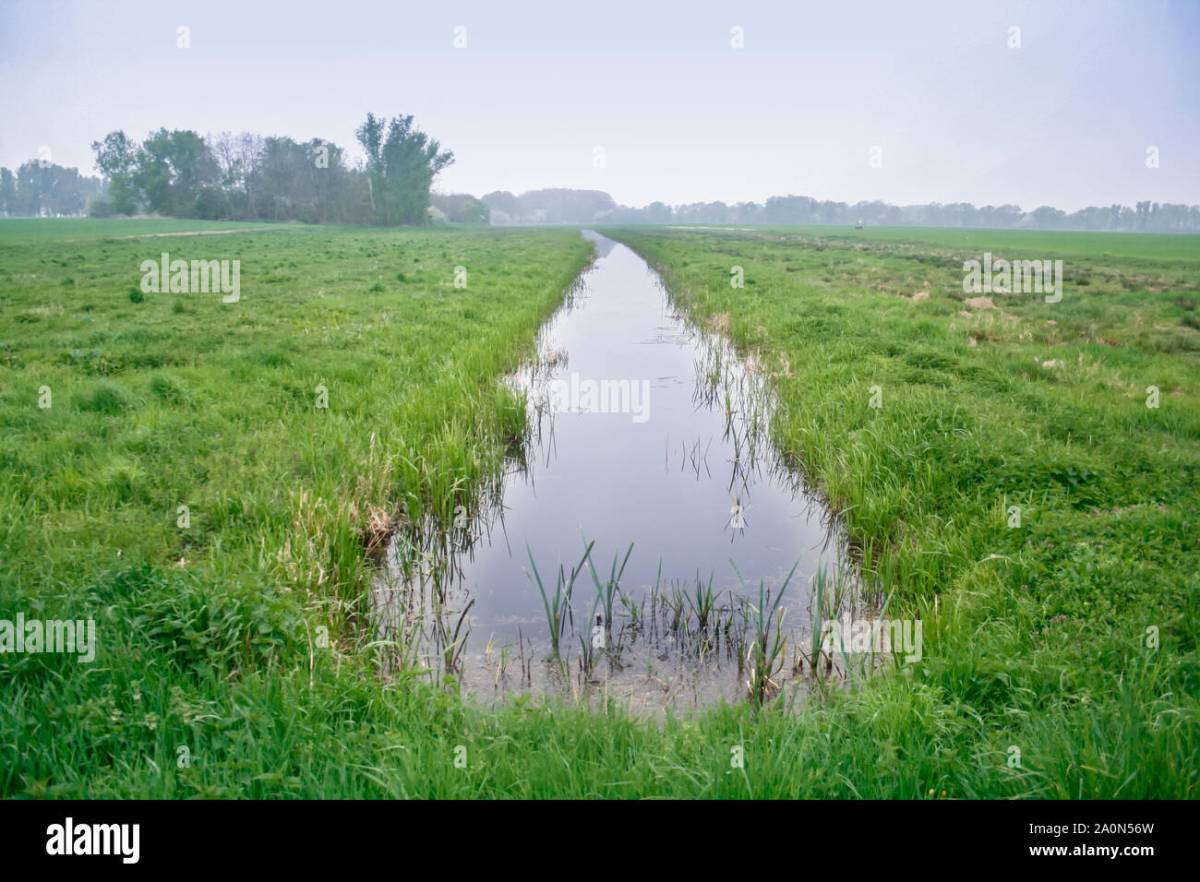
<point x="644" y="431"/>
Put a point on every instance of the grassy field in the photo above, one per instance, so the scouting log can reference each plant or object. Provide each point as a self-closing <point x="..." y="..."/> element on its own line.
<point x="1042" y="634"/>
<point x="61" y="230"/>
<point x="1096" y="248"/>
<point x="209" y="680"/>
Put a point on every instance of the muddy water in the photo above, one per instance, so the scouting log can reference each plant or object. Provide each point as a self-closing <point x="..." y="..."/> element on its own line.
<point x="644" y="431"/>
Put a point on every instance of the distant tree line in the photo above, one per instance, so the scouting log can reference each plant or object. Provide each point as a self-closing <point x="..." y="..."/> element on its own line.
<point x="248" y="177"/>
<point x="562" y="206"/>
<point x="554" y="206"/>
<point x="459" y="208"/>
<point x="43" y="189"/>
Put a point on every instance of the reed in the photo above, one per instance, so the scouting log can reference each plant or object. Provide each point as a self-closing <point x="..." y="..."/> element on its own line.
<point x="609" y="590"/>
<point x="557" y="603"/>
<point x="768" y="645"/>
<point x="703" y="603"/>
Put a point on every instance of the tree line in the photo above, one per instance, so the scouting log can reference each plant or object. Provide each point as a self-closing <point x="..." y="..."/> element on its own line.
<point x="178" y="173"/>
<point x="248" y="177"/>
<point x="564" y="206"/>
<point x="41" y="188"/>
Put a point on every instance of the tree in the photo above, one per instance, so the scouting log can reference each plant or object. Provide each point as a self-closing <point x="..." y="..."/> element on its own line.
<point x="401" y="165"/>
<point x="501" y="200"/>
<point x="1047" y="217"/>
<point x="8" y="193"/>
<point x="461" y="208"/>
<point x="658" y="213"/>
<point x="173" y="168"/>
<point x="116" y="157"/>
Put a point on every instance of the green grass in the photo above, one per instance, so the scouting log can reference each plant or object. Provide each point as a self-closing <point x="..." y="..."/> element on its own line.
<point x="211" y="637"/>
<point x="184" y="401"/>
<point x="57" y="230"/>
<point x="1137" y="247"/>
<point x="1036" y="637"/>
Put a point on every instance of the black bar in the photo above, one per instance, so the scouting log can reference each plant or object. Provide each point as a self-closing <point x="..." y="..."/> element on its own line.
<point x="390" y="836"/>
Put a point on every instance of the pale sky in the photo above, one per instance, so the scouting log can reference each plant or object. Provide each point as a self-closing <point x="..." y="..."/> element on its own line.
<point x="680" y="115"/>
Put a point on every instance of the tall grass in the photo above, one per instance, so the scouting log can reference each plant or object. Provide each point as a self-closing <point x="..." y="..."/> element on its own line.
<point x="767" y="649"/>
<point x="557" y="603"/>
<point x="608" y="591"/>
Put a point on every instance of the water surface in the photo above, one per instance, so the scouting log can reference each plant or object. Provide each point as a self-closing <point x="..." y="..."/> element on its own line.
<point x="683" y="470"/>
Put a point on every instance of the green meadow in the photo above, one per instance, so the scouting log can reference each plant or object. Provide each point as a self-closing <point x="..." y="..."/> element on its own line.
<point x="61" y="230"/>
<point x="1128" y="248"/>
<point x="212" y="484"/>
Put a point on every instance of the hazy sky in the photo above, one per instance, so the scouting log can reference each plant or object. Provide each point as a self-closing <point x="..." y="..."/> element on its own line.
<point x="680" y="115"/>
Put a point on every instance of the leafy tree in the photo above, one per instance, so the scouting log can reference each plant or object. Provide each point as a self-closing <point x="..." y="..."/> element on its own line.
<point x="501" y="200"/>
<point x="173" y="168"/>
<point x="401" y="165"/>
<point x="461" y="208"/>
<point x="116" y="157"/>
<point x="8" y="192"/>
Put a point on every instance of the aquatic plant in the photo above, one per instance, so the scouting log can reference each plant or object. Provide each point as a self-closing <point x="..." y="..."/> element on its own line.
<point x="766" y="652"/>
<point x="557" y="604"/>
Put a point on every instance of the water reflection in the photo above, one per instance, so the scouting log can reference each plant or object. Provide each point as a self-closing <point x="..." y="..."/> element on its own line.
<point x="633" y="538"/>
